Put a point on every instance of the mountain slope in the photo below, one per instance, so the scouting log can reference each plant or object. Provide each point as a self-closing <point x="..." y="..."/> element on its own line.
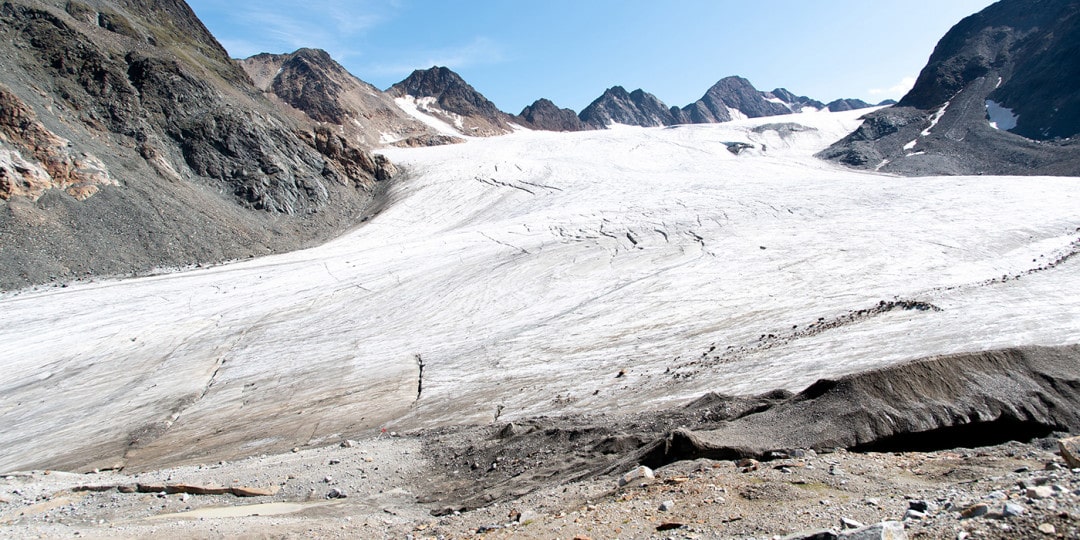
<point x="310" y="81"/>
<point x="543" y="114"/>
<point x="998" y="96"/>
<point x="637" y="108"/>
<point x="130" y="141"/>
<point x="441" y="93"/>
<point x="794" y="102"/>
<point x="730" y="98"/>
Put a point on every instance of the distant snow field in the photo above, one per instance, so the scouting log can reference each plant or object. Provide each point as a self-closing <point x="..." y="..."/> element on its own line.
<point x="522" y="274"/>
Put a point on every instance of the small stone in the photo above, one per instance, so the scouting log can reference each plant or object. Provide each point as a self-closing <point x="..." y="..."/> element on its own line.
<point x="914" y="515"/>
<point x="1039" y="492"/>
<point x="1012" y="509"/>
<point x="328" y="479"/>
<point x="640" y="472"/>
<point x="846" y="523"/>
<point x="349" y="443"/>
<point x="810" y="535"/>
<point x="667" y="506"/>
<point x="336" y="494"/>
<point x="974" y="511"/>
<point x="669" y="525"/>
<point x="295" y="449"/>
<point x="335" y="461"/>
<point x="1047" y="528"/>
<point x="748" y="464"/>
<point x="886" y="530"/>
<point x="921" y="506"/>
<point x="527" y="516"/>
<point x="873" y="501"/>
<point x="246" y="491"/>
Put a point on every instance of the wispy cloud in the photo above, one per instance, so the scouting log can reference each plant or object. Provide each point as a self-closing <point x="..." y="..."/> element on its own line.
<point x="480" y="51"/>
<point x="278" y="26"/>
<point x="898" y="89"/>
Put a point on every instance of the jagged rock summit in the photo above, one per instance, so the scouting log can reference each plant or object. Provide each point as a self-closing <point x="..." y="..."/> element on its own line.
<point x="130" y="141"/>
<point x="794" y="102"/>
<point x="998" y="96"/>
<point x="313" y="83"/>
<point x="441" y="93"/>
<point x="732" y="98"/>
<point x="545" y="115"/>
<point x="637" y="108"/>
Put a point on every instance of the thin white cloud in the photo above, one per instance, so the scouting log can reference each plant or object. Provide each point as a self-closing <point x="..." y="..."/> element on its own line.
<point x="480" y="51"/>
<point x="279" y="27"/>
<point x="899" y="88"/>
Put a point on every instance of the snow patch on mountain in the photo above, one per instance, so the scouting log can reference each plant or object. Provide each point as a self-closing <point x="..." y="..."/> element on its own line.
<point x="419" y="108"/>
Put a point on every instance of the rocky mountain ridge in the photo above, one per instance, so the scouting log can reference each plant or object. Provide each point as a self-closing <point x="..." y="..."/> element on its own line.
<point x="446" y="96"/>
<point x="130" y="141"/>
<point x="998" y="96"/>
<point x="314" y="84"/>
<point x="440" y="92"/>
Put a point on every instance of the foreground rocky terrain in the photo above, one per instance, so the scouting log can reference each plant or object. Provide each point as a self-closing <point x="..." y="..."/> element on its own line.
<point x="382" y="485"/>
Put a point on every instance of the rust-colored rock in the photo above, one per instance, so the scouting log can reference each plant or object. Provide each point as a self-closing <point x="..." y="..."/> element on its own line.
<point x="41" y="160"/>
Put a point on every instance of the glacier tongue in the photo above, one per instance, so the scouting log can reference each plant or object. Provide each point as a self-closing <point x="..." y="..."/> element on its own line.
<point x="520" y="275"/>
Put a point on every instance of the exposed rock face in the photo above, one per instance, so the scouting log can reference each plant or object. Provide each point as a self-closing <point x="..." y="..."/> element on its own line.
<point x="1013" y="64"/>
<point x="317" y="86"/>
<point x="38" y="160"/>
<point x="942" y="402"/>
<point x="847" y="105"/>
<point x="445" y="95"/>
<point x="729" y="99"/>
<point x="131" y="141"/>
<point x="795" y="103"/>
<point x="543" y="114"/>
<point x="728" y="95"/>
<point x="637" y="108"/>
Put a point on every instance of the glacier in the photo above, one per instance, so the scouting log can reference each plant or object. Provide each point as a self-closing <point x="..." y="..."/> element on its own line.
<point x="543" y="273"/>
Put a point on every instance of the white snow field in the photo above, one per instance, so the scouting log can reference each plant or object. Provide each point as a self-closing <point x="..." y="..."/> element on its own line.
<point x="526" y="272"/>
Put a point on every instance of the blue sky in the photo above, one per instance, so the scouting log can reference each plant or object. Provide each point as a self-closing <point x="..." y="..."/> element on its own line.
<point x="515" y="51"/>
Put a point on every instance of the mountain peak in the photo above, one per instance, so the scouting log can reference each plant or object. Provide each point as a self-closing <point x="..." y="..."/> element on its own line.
<point x="637" y="108"/>
<point x="545" y="115"/>
<point x="456" y="101"/>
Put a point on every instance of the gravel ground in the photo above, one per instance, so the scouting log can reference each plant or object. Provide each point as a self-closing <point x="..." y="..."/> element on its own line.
<point x="384" y="477"/>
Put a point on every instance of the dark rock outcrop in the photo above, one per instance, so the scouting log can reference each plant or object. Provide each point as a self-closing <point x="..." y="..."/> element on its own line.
<point x="732" y="94"/>
<point x="794" y="102"/>
<point x="312" y="82"/>
<point x="847" y="105"/>
<point x="1015" y="64"/>
<point x="968" y="399"/>
<point x="131" y="141"/>
<point x="544" y="115"/>
<point x="729" y="99"/>
<point x="454" y="101"/>
<point x="637" y="108"/>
